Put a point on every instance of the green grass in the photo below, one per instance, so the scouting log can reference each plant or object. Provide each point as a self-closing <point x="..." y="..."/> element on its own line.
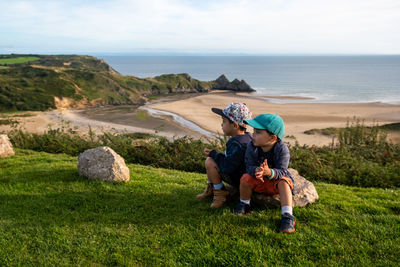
<point x="8" y="122"/>
<point x="155" y="97"/>
<point x="331" y="131"/>
<point x="17" y="114"/>
<point x="325" y="131"/>
<point x="391" y="126"/>
<point x="142" y="115"/>
<point x="51" y="216"/>
<point x="17" y="60"/>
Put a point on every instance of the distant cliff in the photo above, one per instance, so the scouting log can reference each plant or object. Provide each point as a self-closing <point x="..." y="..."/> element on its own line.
<point x="63" y="81"/>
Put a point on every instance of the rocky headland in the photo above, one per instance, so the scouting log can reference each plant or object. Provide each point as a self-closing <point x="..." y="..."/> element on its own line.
<point x="222" y="83"/>
<point x="77" y="81"/>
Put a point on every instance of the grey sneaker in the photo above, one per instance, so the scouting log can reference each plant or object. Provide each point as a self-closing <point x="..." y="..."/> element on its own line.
<point x="242" y="209"/>
<point x="287" y="223"/>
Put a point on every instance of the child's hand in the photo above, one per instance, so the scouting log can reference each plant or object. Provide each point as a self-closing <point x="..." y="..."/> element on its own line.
<point x="262" y="171"/>
<point x="266" y="169"/>
<point x="206" y="151"/>
<point x="259" y="173"/>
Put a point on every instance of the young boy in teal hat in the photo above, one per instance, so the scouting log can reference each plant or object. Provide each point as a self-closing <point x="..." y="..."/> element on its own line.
<point x="267" y="160"/>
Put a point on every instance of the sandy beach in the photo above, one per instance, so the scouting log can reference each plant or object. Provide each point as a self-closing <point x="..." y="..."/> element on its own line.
<point x="120" y="119"/>
<point x="298" y="117"/>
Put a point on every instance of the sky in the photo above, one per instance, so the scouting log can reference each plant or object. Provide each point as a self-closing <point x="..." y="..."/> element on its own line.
<point x="200" y="26"/>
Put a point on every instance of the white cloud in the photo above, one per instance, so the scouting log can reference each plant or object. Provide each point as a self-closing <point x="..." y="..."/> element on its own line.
<point x="271" y="26"/>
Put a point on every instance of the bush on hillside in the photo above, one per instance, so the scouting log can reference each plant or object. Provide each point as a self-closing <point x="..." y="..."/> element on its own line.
<point x="183" y="153"/>
<point x="363" y="157"/>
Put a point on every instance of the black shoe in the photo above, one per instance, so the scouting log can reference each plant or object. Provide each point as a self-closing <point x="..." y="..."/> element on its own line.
<point x="287" y="223"/>
<point x="242" y="209"/>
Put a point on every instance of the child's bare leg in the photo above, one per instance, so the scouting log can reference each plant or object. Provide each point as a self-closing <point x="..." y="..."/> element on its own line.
<point x="285" y="193"/>
<point x="212" y="171"/>
<point x="213" y="177"/>
<point x="245" y="191"/>
<point x="245" y="194"/>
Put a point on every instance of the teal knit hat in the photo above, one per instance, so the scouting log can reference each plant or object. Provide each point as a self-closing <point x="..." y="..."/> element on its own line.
<point x="270" y="122"/>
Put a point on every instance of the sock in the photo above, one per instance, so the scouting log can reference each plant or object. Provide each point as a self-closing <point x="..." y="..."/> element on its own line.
<point x="218" y="186"/>
<point x="245" y="201"/>
<point x="287" y="209"/>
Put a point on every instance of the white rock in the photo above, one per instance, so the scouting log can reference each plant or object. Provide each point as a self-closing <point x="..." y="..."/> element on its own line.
<point x="304" y="193"/>
<point x="104" y="164"/>
<point x="6" y="148"/>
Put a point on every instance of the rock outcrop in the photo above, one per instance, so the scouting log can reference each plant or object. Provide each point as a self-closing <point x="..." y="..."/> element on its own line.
<point x="304" y="193"/>
<point x="104" y="164"/>
<point x="222" y="83"/>
<point x="6" y="148"/>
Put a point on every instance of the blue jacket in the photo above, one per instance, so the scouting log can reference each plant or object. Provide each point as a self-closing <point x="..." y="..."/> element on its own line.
<point x="278" y="159"/>
<point x="232" y="161"/>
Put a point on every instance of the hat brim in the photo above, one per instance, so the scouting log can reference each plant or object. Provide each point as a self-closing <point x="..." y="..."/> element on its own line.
<point x="218" y="111"/>
<point x="255" y="124"/>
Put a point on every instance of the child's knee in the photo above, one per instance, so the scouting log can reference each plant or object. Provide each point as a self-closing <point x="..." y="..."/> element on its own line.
<point x="285" y="183"/>
<point x="246" y="179"/>
<point x="210" y="163"/>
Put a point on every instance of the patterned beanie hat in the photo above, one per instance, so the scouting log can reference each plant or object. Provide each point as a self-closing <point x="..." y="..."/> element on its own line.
<point x="235" y="112"/>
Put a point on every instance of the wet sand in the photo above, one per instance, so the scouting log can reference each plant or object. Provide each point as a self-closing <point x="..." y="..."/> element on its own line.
<point x="115" y="119"/>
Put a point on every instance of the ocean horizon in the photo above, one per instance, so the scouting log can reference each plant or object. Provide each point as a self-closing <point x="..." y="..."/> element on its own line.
<point x="324" y="79"/>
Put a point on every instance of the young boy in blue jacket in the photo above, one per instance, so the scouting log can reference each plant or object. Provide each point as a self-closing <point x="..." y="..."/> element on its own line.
<point x="267" y="161"/>
<point x="228" y="166"/>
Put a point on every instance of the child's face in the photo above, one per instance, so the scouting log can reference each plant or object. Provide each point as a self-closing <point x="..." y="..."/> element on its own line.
<point x="263" y="138"/>
<point x="227" y="126"/>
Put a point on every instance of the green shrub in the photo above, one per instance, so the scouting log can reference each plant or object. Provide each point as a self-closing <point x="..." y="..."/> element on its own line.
<point x="362" y="156"/>
<point x="183" y="153"/>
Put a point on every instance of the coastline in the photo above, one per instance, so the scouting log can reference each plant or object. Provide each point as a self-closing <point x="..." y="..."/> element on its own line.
<point x="179" y="111"/>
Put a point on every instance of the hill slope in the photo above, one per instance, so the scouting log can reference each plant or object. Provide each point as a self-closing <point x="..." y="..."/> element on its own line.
<point x="50" y="216"/>
<point x="41" y="82"/>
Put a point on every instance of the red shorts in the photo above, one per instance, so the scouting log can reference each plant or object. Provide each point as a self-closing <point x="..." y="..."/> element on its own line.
<point x="269" y="187"/>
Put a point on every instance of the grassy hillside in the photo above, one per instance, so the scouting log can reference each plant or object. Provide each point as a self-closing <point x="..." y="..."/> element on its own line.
<point x="50" y="216"/>
<point x="78" y="80"/>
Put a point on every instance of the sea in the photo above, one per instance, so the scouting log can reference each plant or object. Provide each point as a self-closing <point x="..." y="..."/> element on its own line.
<point x="319" y="79"/>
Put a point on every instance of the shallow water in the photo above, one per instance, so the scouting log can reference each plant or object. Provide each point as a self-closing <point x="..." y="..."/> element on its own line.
<point x="182" y="121"/>
<point x="160" y="121"/>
